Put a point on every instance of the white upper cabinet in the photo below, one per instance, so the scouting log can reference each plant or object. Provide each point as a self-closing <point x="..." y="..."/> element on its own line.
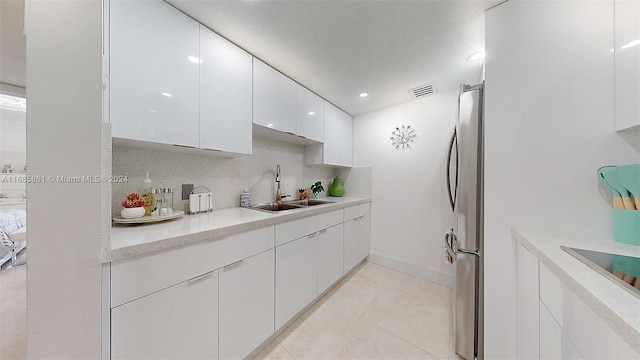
<point x="274" y="98"/>
<point x="337" y="147"/>
<point x="225" y="95"/>
<point x="309" y="114"/>
<point x="153" y="83"/>
<point x="627" y="64"/>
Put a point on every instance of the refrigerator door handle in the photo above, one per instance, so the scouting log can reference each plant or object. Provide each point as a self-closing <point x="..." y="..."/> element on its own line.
<point x="450" y="244"/>
<point x="452" y="196"/>
<point x="469" y="252"/>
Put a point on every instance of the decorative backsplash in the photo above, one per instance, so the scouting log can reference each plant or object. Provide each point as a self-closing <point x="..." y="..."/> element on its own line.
<point x="225" y="177"/>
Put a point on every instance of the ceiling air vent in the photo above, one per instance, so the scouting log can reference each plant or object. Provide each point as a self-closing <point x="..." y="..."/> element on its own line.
<point x="423" y="90"/>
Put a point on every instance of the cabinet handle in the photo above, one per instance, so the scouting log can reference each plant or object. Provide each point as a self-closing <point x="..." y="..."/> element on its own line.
<point x="200" y="277"/>
<point x="313" y="234"/>
<point x="234" y="263"/>
<point x="289" y="132"/>
<point x="209" y="149"/>
<point x="323" y="231"/>
<point x="184" y="146"/>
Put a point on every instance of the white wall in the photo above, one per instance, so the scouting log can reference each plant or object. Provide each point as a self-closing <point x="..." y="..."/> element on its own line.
<point x="410" y="211"/>
<point x="64" y="137"/>
<point x="13" y="139"/>
<point x="225" y="177"/>
<point x="549" y="127"/>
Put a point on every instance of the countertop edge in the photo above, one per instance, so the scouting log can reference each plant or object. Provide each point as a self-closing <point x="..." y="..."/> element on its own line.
<point x="619" y="325"/>
<point x="159" y="245"/>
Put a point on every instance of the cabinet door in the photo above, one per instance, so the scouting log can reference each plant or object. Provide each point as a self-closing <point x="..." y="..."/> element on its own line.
<point x="554" y="343"/>
<point x="225" y="95"/>
<point x="309" y="114"/>
<point x="332" y="129"/>
<point x="528" y="298"/>
<point x="246" y="304"/>
<point x="153" y="84"/>
<point x="330" y="256"/>
<point x="350" y="257"/>
<point x="627" y="64"/>
<point x="180" y="322"/>
<point x="364" y="237"/>
<point x="296" y="277"/>
<point x="346" y="140"/>
<point x="274" y="98"/>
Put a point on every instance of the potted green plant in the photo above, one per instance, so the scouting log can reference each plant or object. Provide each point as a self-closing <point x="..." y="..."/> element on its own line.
<point x="317" y="188"/>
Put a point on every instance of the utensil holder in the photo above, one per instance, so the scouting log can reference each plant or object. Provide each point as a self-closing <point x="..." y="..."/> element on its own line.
<point x="626" y="226"/>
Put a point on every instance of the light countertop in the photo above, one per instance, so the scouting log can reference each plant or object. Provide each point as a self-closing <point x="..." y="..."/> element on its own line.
<point x="617" y="307"/>
<point x="134" y="240"/>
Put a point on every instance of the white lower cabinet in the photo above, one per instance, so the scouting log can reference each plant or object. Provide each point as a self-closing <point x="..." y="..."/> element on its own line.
<point x="554" y="343"/>
<point x="296" y="277"/>
<point x="180" y="322"/>
<point x="364" y="237"/>
<point x="246" y="309"/>
<point x="330" y="262"/>
<point x="555" y="323"/>
<point x="528" y="303"/>
<point x="351" y="230"/>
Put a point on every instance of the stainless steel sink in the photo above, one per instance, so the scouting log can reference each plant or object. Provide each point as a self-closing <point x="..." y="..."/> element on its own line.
<point x="605" y="263"/>
<point x="310" y="202"/>
<point x="275" y="207"/>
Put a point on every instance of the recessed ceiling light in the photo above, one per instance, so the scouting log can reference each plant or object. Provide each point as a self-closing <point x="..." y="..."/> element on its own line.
<point x="166" y="94"/>
<point x="630" y="44"/>
<point x="363" y="95"/>
<point x="311" y="113"/>
<point x="476" y="56"/>
<point x="195" y="60"/>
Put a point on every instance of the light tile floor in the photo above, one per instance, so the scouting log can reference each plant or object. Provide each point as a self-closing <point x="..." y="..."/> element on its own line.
<point x="375" y="313"/>
<point x="13" y="313"/>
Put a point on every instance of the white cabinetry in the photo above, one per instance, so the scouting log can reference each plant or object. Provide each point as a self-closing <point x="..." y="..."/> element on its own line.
<point x="180" y="322"/>
<point x="274" y="98"/>
<point x="337" y="148"/>
<point x="330" y="259"/>
<point x="554" y="323"/>
<point x="309" y="114"/>
<point x="627" y="64"/>
<point x="225" y="95"/>
<point x="554" y="343"/>
<point x="528" y="303"/>
<point x="153" y="85"/>
<point x="356" y="235"/>
<point x="246" y="305"/>
<point x="296" y="277"/>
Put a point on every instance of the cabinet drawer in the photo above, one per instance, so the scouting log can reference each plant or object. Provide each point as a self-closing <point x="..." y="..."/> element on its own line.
<point x="590" y="334"/>
<point x="296" y="229"/>
<point x="353" y="212"/>
<point x="134" y="278"/>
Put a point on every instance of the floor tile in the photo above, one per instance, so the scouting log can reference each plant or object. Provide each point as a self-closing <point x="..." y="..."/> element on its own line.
<point x="434" y="293"/>
<point x="370" y="341"/>
<point x="274" y="351"/>
<point x="414" y="319"/>
<point x="321" y="334"/>
<point x="14" y="352"/>
<point x="352" y="296"/>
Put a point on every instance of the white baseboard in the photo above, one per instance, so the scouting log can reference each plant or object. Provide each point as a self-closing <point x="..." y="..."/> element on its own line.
<point x="414" y="270"/>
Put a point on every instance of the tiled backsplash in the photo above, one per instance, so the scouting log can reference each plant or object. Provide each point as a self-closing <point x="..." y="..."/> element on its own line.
<point x="225" y="177"/>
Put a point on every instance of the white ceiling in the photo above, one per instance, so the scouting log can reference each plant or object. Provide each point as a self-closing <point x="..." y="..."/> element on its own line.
<point x="337" y="49"/>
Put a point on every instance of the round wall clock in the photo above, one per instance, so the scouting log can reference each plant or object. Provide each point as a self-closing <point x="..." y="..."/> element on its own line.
<point x="401" y="138"/>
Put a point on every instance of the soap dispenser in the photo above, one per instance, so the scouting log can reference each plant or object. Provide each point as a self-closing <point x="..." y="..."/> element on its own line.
<point x="147" y="196"/>
<point x="245" y="198"/>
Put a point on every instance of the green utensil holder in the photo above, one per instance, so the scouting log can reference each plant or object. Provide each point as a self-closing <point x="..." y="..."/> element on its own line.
<point x="626" y="226"/>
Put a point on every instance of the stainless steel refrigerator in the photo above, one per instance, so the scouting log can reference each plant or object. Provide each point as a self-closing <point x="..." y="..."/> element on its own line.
<point x="464" y="241"/>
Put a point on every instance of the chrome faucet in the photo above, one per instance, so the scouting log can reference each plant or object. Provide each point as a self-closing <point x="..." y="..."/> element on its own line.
<point x="279" y="195"/>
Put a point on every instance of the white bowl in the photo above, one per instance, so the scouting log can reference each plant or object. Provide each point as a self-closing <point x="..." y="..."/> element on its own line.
<point x="132" y="213"/>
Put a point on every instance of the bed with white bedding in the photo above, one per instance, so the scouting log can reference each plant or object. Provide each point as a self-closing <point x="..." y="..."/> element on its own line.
<point x="13" y="233"/>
